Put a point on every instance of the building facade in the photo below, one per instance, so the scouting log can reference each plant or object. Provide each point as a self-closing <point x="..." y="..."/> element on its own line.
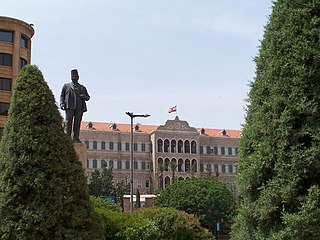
<point x="161" y="153"/>
<point x="15" y="52"/>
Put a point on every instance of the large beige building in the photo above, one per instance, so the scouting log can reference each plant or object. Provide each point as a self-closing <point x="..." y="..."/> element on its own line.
<point x="15" y="52"/>
<point x="161" y="153"/>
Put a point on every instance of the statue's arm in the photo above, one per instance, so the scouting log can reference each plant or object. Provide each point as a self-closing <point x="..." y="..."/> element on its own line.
<point x="84" y="94"/>
<point x="63" y="97"/>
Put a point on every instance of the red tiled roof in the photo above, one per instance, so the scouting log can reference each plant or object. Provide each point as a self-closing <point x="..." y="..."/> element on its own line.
<point x="122" y="127"/>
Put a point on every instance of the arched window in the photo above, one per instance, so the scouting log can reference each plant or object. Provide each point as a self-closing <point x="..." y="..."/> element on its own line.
<point x="180" y="178"/>
<point x="87" y="144"/>
<point x="215" y="151"/>
<point x="193" y="147"/>
<point x="166" y="145"/>
<point x="173" y="146"/>
<point x="180" y="146"/>
<point x="194" y="166"/>
<point x="160" y="165"/>
<point x="186" y="146"/>
<point x="94" y="163"/>
<point x="180" y="163"/>
<point x="223" y="168"/>
<point x="166" y="164"/>
<point x="229" y="151"/>
<point x="187" y="165"/>
<point x="160" y="145"/>
<point x="95" y="144"/>
<point x="166" y="181"/>
<point x="111" y="164"/>
<point x="230" y="168"/>
<point x="223" y="151"/>
<point x="173" y="165"/>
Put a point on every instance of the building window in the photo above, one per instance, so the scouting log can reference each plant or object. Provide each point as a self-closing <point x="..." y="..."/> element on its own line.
<point x="180" y="146"/>
<point x="127" y="146"/>
<point x="143" y="165"/>
<point x="193" y="147"/>
<point x="103" y="145"/>
<point x="208" y="150"/>
<point x="215" y="151"/>
<point x="135" y="147"/>
<point x="111" y="164"/>
<point x="127" y="165"/>
<point x="216" y="168"/>
<point x="187" y="165"/>
<point x="119" y="146"/>
<point x="23" y="62"/>
<point x="223" y="168"/>
<point x="104" y="164"/>
<point x="147" y="183"/>
<point x="119" y="165"/>
<point x="87" y="144"/>
<point x="236" y="149"/>
<point x="160" y="145"/>
<point x="229" y="151"/>
<point x="180" y="163"/>
<point x="94" y="163"/>
<point x="5" y="84"/>
<point x="223" y="151"/>
<point x="143" y="147"/>
<point x="6" y="59"/>
<point x="230" y="168"/>
<point x="6" y="36"/>
<point x="166" y="145"/>
<point x="4" y="107"/>
<point x="135" y="165"/>
<point x="186" y="146"/>
<point x="24" y="42"/>
<point x="111" y="145"/>
<point x="201" y="149"/>
<point x="201" y="167"/>
<point x="95" y="144"/>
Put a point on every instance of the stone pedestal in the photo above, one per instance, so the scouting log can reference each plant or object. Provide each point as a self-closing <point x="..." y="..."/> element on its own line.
<point x="81" y="150"/>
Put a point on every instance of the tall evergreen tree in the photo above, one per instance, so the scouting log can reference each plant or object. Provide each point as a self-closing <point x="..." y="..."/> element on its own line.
<point x="279" y="167"/>
<point x="43" y="190"/>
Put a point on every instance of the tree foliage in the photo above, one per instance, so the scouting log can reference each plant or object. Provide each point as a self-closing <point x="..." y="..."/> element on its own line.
<point x="43" y="190"/>
<point x="209" y="199"/>
<point x="174" y="224"/>
<point x="279" y="167"/>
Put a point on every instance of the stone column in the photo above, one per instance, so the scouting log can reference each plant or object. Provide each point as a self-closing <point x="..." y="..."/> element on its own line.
<point x="81" y="150"/>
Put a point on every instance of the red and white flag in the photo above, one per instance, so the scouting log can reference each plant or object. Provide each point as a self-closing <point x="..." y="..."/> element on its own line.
<point x="172" y="109"/>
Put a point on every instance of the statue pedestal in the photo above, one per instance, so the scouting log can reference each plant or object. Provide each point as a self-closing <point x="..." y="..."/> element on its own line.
<point x="81" y="150"/>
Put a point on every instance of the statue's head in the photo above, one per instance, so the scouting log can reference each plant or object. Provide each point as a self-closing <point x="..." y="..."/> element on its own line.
<point x="74" y="75"/>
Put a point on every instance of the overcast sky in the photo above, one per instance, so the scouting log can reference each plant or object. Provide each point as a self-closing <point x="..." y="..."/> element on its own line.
<point x="145" y="56"/>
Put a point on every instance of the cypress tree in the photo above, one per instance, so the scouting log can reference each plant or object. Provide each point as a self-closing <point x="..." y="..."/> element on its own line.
<point x="279" y="167"/>
<point x="43" y="190"/>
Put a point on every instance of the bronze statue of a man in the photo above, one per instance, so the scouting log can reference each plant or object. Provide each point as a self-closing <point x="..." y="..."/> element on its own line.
<point x="73" y="100"/>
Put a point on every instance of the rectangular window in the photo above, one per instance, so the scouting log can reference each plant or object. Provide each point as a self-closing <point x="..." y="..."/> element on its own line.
<point x="127" y="165"/>
<point x="119" y="146"/>
<point x="6" y="36"/>
<point x="119" y="165"/>
<point x="143" y="147"/>
<point x="135" y="147"/>
<point x="4" y="107"/>
<point x="201" y="149"/>
<point x="94" y="163"/>
<point x="5" y="84"/>
<point x="127" y="146"/>
<point x="111" y="145"/>
<point x="229" y="151"/>
<point x="148" y="166"/>
<point x="103" y="145"/>
<point x="6" y="59"/>
<point x="24" y="41"/>
<point x="147" y="183"/>
<point x="143" y="165"/>
<point x="23" y="62"/>
<point x="135" y="165"/>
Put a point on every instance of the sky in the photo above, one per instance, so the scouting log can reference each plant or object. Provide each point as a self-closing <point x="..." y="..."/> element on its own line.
<point x="145" y="56"/>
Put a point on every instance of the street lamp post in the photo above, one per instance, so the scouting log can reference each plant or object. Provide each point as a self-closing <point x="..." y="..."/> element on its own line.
<point x="132" y="116"/>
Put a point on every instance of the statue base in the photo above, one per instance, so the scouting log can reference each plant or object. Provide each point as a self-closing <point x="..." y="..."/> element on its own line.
<point x="81" y="150"/>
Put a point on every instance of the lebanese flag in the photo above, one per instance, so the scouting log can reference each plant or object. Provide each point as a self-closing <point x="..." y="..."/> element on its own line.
<point x="172" y="109"/>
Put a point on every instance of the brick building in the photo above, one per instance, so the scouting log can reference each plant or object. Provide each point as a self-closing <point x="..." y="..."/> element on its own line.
<point x="161" y="153"/>
<point x="15" y="52"/>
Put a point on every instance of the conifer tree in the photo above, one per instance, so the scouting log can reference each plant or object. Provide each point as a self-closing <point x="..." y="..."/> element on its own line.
<point x="279" y="167"/>
<point x="43" y="190"/>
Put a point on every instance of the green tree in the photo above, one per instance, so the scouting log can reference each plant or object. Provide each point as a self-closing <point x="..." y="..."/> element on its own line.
<point x="279" y="167"/>
<point x="43" y="190"/>
<point x="207" y="198"/>
<point x="174" y="224"/>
